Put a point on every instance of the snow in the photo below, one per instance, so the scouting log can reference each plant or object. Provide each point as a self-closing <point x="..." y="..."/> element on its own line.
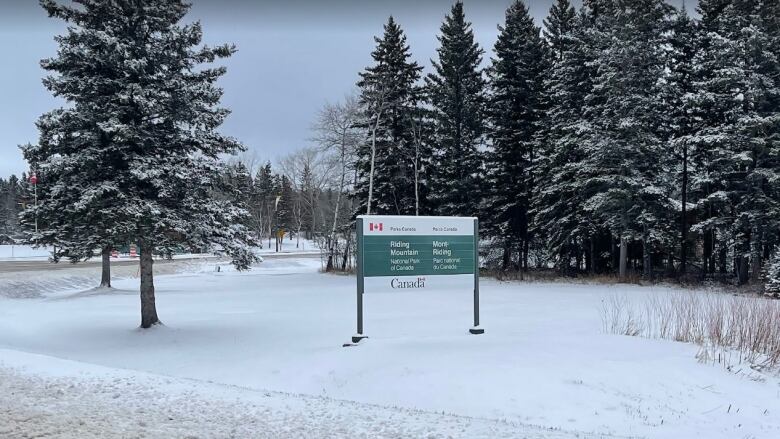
<point x="43" y="397"/>
<point x="543" y="368"/>
<point x="11" y="253"/>
<point x="23" y="252"/>
<point x="289" y="246"/>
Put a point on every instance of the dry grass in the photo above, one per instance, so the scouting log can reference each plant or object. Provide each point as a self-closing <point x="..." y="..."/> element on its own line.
<point x="748" y="326"/>
<point x="549" y="276"/>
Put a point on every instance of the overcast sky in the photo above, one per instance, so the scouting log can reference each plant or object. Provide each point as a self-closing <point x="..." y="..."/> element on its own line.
<point x="293" y="56"/>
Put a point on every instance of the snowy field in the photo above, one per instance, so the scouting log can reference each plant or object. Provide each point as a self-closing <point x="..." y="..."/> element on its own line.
<point x="23" y="252"/>
<point x="258" y="354"/>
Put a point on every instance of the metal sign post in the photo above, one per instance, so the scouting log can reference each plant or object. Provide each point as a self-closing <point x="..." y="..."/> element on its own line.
<point x="413" y="252"/>
<point x="476" y="329"/>
<point x="360" y="282"/>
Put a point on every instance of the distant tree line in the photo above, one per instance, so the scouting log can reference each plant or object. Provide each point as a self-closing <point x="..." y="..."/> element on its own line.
<point x="623" y="137"/>
<point x="15" y="194"/>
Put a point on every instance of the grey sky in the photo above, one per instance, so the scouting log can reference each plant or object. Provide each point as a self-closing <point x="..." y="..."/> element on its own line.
<point x="293" y="56"/>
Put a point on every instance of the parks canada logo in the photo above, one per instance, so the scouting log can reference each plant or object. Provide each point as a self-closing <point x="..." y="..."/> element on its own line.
<point x="405" y="284"/>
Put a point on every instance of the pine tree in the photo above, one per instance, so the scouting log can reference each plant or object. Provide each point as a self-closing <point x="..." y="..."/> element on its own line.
<point x="140" y="129"/>
<point x="680" y="121"/>
<point x="262" y="207"/>
<point x="558" y="27"/>
<point x="558" y="202"/>
<point x="283" y="205"/>
<point x="456" y="91"/>
<point x="516" y="110"/>
<point x="5" y="213"/>
<point x="389" y="96"/>
<point x="623" y="152"/>
<point x="737" y="102"/>
<point x="310" y="197"/>
<point x="772" y="281"/>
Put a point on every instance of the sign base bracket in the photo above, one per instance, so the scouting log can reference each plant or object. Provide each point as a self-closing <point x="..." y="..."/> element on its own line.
<point x="477" y="330"/>
<point x="357" y="337"/>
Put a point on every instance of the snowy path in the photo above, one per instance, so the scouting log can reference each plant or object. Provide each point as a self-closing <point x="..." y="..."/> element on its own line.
<point x="544" y="360"/>
<point x="82" y="401"/>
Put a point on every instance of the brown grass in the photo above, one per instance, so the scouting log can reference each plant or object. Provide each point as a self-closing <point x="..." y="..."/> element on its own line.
<point x="750" y="326"/>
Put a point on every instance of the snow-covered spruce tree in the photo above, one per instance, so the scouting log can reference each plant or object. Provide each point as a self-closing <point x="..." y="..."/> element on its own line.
<point x="138" y="72"/>
<point x="262" y="207"/>
<point x="456" y="92"/>
<point x="680" y="122"/>
<point x="557" y="202"/>
<point x="9" y="208"/>
<point x="558" y="27"/>
<point x="737" y="100"/>
<point x="772" y="280"/>
<point x="389" y="97"/>
<point x="623" y="152"/>
<point x="79" y="199"/>
<point x="516" y="109"/>
<point x="283" y="203"/>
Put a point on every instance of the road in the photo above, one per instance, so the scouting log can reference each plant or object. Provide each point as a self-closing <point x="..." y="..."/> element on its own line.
<point x="22" y="266"/>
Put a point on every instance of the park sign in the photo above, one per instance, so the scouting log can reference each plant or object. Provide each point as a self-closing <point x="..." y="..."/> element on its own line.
<point x="416" y="253"/>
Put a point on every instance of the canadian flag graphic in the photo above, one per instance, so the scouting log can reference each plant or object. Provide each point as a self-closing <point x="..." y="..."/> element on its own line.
<point x="374" y="226"/>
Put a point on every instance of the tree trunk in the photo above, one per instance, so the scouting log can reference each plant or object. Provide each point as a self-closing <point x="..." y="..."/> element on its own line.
<point x="373" y="160"/>
<point x="592" y="269"/>
<point x="507" y="255"/>
<point x="105" y="277"/>
<point x="647" y="260"/>
<point x="333" y="237"/>
<point x="148" y="307"/>
<point x="345" y="259"/>
<point x="742" y="270"/>
<point x="525" y="254"/>
<point x="684" y="218"/>
<point x="623" y="258"/>
<point x="755" y="259"/>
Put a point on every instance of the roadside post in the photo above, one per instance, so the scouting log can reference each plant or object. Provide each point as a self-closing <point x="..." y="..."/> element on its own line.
<point x="416" y="252"/>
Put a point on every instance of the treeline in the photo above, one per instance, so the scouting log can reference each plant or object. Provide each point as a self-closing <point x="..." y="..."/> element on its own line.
<point x="626" y="136"/>
<point x="295" y="201"/>
<point x="15" y="194"/>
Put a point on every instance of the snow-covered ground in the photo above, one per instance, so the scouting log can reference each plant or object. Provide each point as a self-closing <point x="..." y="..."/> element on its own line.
<point x="10" y="252"/>
<point x="261" y="352"/>
<point x="289" y="246"/>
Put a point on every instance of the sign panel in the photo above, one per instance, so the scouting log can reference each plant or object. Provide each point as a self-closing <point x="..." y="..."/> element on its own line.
<point x="416" y="252"/>
<point x="414" y="246"/>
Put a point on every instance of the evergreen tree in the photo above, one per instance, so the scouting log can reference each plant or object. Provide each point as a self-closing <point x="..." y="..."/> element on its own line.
<point x="516" y="110"/>
<point x="623" y="152"/>
<point x="558" y="27"/>
<point x="456" y="91"/>
<point x="140" y="129"/>
<point x="9" y="222"/>
<point x="558" y="202"/>
<point x="283" y="204"/>
<point x="736" y="138"/>
<point x="262" y="208"/>
<point x="772" y="281"/>
<point x="680" y="120"/>
<point x="310" y="197"/>
<point x="389" y="96"/>
<point x="5" y="213"/>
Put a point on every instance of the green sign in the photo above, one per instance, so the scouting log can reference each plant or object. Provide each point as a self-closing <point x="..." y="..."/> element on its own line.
<point x="415" y="255"/>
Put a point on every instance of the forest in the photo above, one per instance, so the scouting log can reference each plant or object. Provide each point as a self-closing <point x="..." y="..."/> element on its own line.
<point x="626" y="138"/>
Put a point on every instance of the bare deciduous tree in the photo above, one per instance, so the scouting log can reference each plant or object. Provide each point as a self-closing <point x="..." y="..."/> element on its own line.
<point x="338" y="134"/>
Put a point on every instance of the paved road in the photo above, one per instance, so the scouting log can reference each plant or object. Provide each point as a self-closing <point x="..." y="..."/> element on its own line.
<point x="20" y="266"/>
